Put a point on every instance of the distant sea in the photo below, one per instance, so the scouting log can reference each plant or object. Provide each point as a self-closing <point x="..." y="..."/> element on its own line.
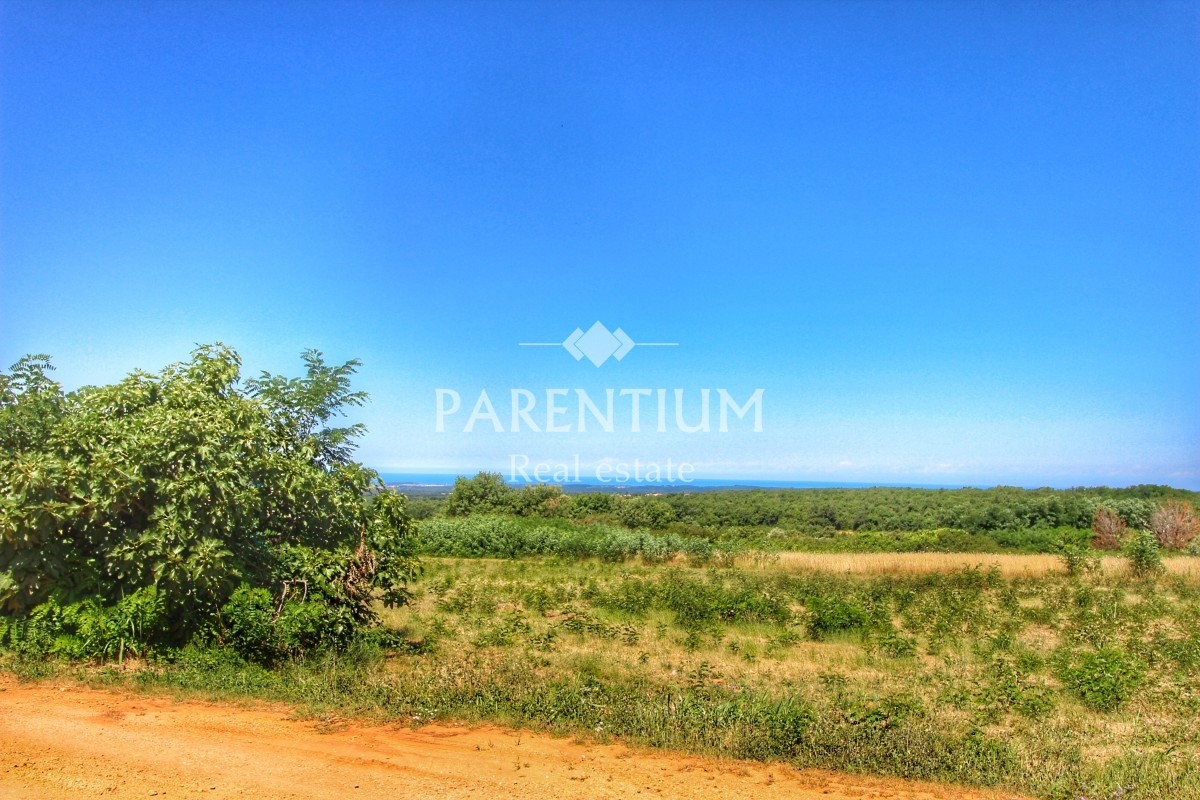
<point x="433" y="482"/>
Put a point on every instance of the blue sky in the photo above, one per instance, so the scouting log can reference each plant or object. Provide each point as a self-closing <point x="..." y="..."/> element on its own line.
<point x="952" y="242"/>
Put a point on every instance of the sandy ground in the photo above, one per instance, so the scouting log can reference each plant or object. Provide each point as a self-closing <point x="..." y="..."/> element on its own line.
<point x="68" y="742"/>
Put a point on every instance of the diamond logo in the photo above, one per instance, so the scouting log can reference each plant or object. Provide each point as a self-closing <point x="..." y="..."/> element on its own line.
<point x="598" y="344"/>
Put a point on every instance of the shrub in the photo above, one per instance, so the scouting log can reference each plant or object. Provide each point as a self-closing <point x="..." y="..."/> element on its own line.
<point x="135" y="510"/>
<point x="491" y="536"/>
<point x="248" y="625"/>
<point x="90" y="629"/>
<point x="1174" y="524"/>
<point x="1103" y="679"/>
<point x="1145" y="557"/>
<point x="645" y="512"/>
<point x="1108" y="529"/>
<point x="592" y="503"/>
<point x="315" y="626"/>
<point x="1079" y="560"/>
<point x="831" y="614"/>
<point x="262" y="631"/>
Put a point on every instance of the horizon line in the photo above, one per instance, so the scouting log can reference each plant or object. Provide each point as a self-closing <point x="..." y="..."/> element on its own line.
<point x="758" y="482"/>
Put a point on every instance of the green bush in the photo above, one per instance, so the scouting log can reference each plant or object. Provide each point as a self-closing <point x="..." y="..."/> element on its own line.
<point x="1144" y="554"/>
<point x="248" y="625"/>
<point x="833" y="614"/>
<point x="1103" y="679"/>
<point x="89" y="629"/>
<point x="1079" y="560"/>
<point x="645" y="512"/>
<point x="130" y="513"/>
<point x="315" y="626"/>
<point x="262" y="631"/>
<point x="495" y="536"/>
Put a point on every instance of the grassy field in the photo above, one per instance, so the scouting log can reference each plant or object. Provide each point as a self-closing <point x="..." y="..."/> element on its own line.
<point x="993" y="670"/>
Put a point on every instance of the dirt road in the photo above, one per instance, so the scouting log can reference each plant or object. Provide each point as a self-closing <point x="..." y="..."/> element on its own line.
<point x="67" y="742"/>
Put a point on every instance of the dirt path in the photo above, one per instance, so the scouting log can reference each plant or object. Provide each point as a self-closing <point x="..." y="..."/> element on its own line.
<point x="67" y="742"/>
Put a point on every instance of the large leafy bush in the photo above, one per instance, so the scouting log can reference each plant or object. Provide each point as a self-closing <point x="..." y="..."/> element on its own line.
<point x="192" y="481"/>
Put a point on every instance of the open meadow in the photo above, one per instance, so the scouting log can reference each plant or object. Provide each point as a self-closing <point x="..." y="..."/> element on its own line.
<point x="1000" y="671"/>
<point x="1013" y="674"/>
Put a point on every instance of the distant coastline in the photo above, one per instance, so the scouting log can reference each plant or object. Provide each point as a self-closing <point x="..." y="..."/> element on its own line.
<point x="434" y="483"/>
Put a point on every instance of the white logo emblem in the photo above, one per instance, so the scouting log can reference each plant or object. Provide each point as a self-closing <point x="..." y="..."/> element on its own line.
<point x="599" y="344"/>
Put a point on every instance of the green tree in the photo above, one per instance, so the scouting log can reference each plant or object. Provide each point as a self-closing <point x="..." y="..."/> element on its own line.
<point x="485" y="493"/>
<point x="193" y="482"/>
<point x="645" y="512"/>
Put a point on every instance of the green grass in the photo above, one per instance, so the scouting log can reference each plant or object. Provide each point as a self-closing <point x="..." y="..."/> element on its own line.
<point x="1057" y="686"/>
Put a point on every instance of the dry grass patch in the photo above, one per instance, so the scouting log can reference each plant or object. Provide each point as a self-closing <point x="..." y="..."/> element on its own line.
<point x="1010" y="565"/>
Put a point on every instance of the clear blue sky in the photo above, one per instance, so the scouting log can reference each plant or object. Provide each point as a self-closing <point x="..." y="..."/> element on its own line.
<point x="953" y="242"/>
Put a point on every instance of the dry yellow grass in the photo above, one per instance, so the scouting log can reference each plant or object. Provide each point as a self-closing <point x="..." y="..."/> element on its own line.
<point x="1011" y="565"/>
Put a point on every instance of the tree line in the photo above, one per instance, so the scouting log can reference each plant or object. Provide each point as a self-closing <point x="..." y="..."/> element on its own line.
<point x="1000" y="512"/>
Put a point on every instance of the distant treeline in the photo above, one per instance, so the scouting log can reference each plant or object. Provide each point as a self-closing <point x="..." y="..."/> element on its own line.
<point x="813" y="511"/>
<point x="892" y="509"/>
